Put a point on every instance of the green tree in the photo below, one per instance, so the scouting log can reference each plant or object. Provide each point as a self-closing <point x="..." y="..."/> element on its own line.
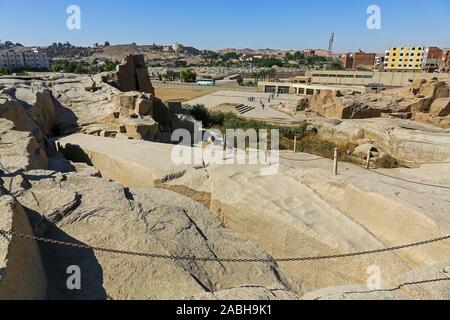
<point x="180" y="64"/>
<point x="188" y="76"/>
<point x="270" y="62"/>
<point x="336" y="65"/>
<point x="230" y="56"/>
<point x="298" y="55"/>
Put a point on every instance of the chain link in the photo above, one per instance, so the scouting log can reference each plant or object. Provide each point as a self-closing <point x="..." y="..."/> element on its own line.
<point x="378" y="173"/>
<point x="203" y="259"/>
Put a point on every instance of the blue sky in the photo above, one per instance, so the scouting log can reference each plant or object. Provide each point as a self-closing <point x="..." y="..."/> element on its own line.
<point x="213" y="24"/>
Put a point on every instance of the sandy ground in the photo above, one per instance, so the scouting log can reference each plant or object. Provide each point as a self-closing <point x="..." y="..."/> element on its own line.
<point x="179" y="94"/>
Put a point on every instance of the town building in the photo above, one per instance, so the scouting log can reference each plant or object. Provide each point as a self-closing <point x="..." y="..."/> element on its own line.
<point x="347" y="60"/>
<point x="433" y="55"/>
<point x="300" y="89"/>
<point x="356" y="80"/>
<point x="366" y="78"/>
<point x="358" y="60"/>
<point x="18" y="58"/>
<point x="363" y="59"/>
<point x="309" y="53"/>
<point x="407" y="58"/>
<point x="177" y="47"/>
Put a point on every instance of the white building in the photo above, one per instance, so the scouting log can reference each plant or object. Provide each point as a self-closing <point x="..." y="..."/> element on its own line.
<point x="177" y="47"/>
<point x="22" y="57"/>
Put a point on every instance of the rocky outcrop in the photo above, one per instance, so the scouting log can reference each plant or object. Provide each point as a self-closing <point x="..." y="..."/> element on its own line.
<point x="292" y="107"/>
<point x="22" y="274"/>
<point x="402" y="103"/>
<point x="13" y="111"/>
<point x="44" y="113"/>
<point x="329" y="105"/>
<point x="440" y="107"/>
<point x="84" y="209"/>
<point x="131" y="75"/>
<point x="20" y="150"/>
<point x="408" y="142"/>
<point x="301" y="211"/>
<point x="423" y="283"/>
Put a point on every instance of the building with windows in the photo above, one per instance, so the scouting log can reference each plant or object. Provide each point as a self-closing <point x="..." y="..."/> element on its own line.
<point x="363" y="59"/>
<point x="358" y="60"/>
<point x="407" y="58"/>
<point x="432" y="58"/>
<point x="347" y="60"/>
<point x="18" y="58"/>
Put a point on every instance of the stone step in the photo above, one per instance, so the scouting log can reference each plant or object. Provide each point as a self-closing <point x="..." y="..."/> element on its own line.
<point x="242" y="109"/>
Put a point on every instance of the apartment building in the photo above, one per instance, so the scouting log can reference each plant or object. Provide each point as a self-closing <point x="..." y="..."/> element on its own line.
<point x="358" y="60"/>
<point x="407" y="58"/>
<point x="21" y="57"/>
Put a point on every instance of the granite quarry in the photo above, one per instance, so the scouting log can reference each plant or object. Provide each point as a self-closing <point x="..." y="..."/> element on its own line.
<point x="87" y="160"/>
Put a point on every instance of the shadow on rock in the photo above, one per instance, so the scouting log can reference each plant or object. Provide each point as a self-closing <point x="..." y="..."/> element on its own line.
<point x="58" y="259"/>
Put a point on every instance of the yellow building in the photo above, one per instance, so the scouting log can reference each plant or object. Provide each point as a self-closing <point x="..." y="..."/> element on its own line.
<point x="407" y="58"/>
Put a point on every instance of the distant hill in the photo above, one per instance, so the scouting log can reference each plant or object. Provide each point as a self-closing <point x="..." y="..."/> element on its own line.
<point x="119" y="52"/>
<point x="266" y="51"/>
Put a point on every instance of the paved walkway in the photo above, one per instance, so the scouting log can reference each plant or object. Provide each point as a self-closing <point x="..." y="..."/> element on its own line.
<point x="233" y="97"/>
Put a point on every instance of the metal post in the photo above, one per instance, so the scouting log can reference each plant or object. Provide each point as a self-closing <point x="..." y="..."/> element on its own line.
<point x="335" y="169"/>
<point x="368" y="160"/>
<point x="225" y="141"/>
<point x="225" y="146"/>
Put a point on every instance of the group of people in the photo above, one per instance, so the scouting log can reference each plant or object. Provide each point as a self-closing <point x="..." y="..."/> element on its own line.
<point x="263" y="106"/>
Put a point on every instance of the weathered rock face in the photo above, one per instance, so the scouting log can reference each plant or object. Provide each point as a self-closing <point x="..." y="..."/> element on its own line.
<point x="13" y="111"/>
<point x="422" y="89"/>
<point x="292" y="107"/>
<point x="301" y="211"/>
<point x="80" y="208"/>
<point x="103" y="111"/>
<point x="131" y="75"/>
<point x="19" y="150"/>
<point x="130" y="103"/>
<point x="407" y="286"/>
<point x="44" y="112"/>
<point x="22" y="274"/>
<point x="406" y="141"/>
<point x="363" y="106"/>
<point x="440" y="107"/>
<point x="402" y="103"/>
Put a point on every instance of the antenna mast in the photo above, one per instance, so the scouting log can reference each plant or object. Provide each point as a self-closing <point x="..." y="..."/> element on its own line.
<point x="330" y="47"/>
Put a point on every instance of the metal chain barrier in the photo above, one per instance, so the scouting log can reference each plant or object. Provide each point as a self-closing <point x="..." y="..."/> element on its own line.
<point x="378" y="173"/>
<point x="410" y="181"/>
<point x="226" y="260"/>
